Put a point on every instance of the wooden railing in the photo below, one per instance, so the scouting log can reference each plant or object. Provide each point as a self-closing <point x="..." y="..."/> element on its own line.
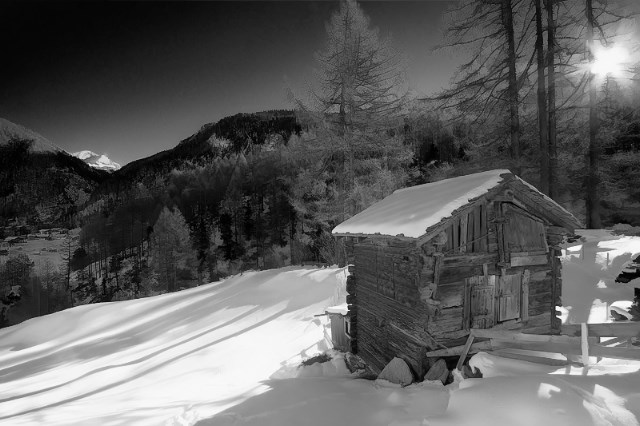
<point x="578" y="339"/>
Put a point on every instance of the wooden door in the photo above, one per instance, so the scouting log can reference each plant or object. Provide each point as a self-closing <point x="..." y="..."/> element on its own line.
<point x="479" y="303"/>
<point x="522" y="231"/>
<point x="509" y="293"/>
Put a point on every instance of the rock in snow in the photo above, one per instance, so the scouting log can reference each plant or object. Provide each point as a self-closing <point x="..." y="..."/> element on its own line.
<point x="438" y="371"/>
<point x="397" y="371"/>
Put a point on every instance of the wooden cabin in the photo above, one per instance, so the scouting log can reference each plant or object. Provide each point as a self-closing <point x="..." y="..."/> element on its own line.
<point x="430" y="262"/>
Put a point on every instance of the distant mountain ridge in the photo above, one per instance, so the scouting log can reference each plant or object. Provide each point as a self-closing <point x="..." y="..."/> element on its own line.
<point x="52" y="186"/>
<point x="10" y="130"/>
<point x="100" y="162"/>
<point x="40" y="182"/>
<point x="233" y="134"/>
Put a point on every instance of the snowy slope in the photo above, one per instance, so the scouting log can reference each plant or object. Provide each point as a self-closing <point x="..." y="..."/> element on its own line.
<point x="589" y="269"/>
<point x="227" y="354"/>
<point x="96" y="161"/>
<point x="145" y="361"/>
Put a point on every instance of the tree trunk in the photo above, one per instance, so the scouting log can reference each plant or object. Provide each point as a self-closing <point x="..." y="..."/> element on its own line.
<point x="543" y="118"/>
<point x="593" y="153"/>
<point x="514" y="130"/>
<point x="551" y="97"/>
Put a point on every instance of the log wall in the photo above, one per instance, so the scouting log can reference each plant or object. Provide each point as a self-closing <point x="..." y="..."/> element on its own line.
<point x="391" y="317"/>
<point x="406" y="299"/>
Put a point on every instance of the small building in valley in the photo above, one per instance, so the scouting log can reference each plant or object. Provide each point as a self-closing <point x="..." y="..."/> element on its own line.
<point x="430" y="262"/>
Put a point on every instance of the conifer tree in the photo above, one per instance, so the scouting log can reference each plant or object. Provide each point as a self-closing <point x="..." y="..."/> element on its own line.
<point x="353" y="118"/>
<point x="171" y="247"/>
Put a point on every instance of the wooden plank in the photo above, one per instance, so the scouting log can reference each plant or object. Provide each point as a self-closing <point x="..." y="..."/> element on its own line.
<point x="451" y="275"/>
<point x="528" y="253"/>
<point x="456" y="234"/>
<point x="530" y="358"/>
<point x="466" y="306"/>
<point x="500" y="237"/>
<point x="437" y="269"/>
<point x="555" y="293"/>
<point x="528" y="260"/>
<point x="482" y="242"/>
<point x="620" y="353"/>
<point x="563" y="348"/>
<point x="449" y="246"/>
<point x="410" y="336"/>
<point x="470" y="226"/>
<point x="584" y="343"/>
<point x="524" y="310"/>
<point x="465" y="352"/>
<point x="457" y="350"/>
<point x="463" y="233"/>
<point x="506" y="335"/>
<point x="476" y="229"/>
<point x="614" y="329"/>
<point x="510" y="291"/>
<point x="469" y="259"/>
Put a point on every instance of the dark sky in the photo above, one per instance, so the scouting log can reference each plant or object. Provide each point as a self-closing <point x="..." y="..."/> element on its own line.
<point x="131" y="79"/>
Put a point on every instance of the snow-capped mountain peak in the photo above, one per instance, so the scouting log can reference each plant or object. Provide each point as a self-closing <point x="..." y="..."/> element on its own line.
<point x="97" y="161"/>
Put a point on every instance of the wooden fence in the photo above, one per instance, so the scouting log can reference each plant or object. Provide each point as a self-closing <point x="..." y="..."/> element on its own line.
<point x="579" y="339"/>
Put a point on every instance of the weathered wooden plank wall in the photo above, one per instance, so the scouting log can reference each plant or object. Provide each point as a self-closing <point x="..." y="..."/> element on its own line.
<point x="408" y="299"/>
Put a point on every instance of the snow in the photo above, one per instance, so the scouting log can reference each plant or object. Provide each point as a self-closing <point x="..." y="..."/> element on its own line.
<point x="589" y="269"/>
<point x="229" y="353"/>
<point x="144" y="361"/>
<point x="96" y="161"/>
<point x="342" y="309"/>
<point x="410" y="211"/>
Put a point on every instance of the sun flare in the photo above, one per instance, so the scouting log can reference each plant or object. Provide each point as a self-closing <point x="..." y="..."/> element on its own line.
<point x="609" y="61"/>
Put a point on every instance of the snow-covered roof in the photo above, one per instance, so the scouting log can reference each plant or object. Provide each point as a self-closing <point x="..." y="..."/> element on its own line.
<point x="342" y="309"/>
<point x="409" y="212"/>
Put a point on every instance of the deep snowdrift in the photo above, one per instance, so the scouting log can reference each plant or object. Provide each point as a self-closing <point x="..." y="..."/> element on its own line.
<point x="227" y="354"/>
<point x="186" y="354"/>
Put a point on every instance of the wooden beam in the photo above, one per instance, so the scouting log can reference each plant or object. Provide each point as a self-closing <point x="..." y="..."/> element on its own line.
<point x="541" y="259"/>
<point x="614" y="329"/>
<point x="524" y="309"/>
<point x="457" y="350"/>
<point x="530" y="358"/>
<point x="562" y="348"/>
<point x="622" y="353"/>
<point x="584" y="343"/>
<point x="466" y="306"/>
<point x="437" y="269"/>
<point x="507" y="335"/>
<point x="465" y="352"/>
<point x="470" y="259"/>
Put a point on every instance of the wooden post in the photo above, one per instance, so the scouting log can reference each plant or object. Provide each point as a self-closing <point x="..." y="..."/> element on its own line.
<point x="466" y="307"/>
<point x="465" y="351"/>
<point x="584" y="344"/>
<point x="524" y="309"/>
<point x="437" y="268"/>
